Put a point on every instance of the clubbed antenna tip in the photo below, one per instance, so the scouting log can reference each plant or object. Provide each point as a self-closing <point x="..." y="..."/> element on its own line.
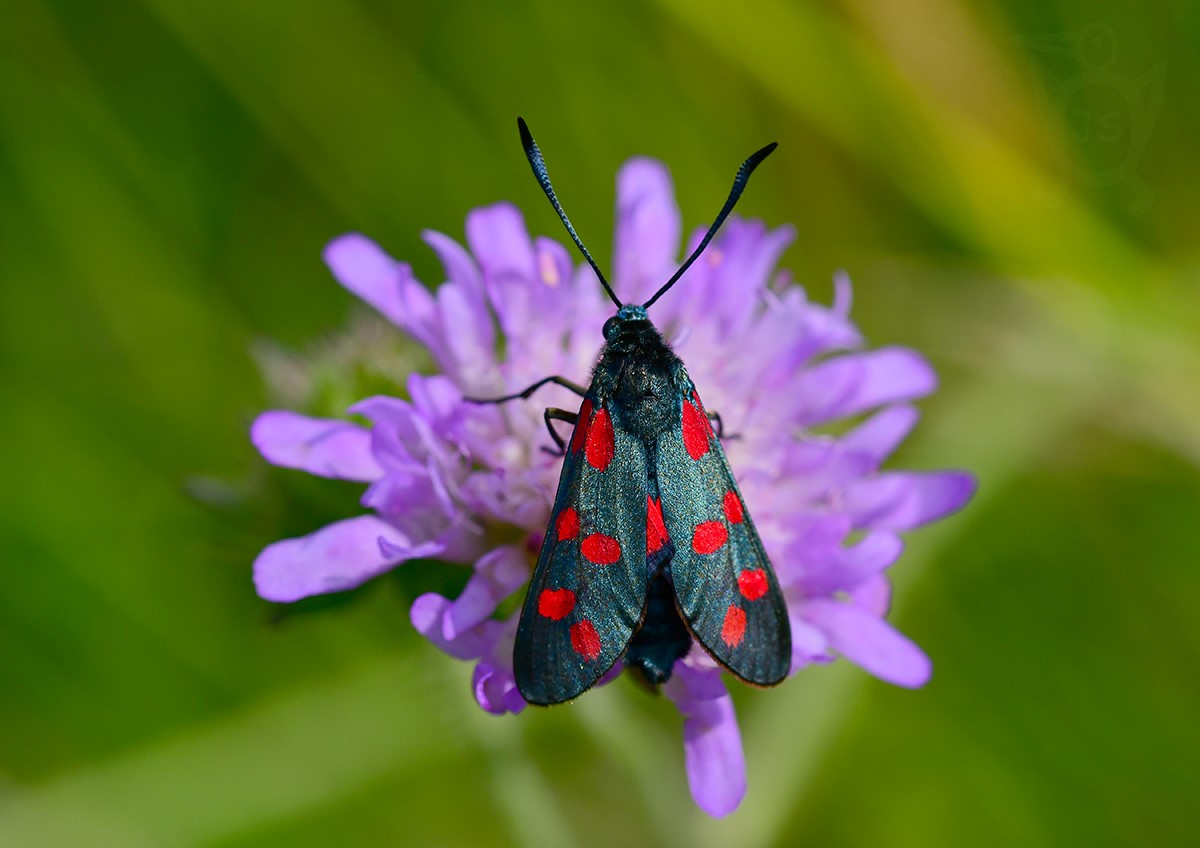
<point x="739" y="185"/>
<point x="534" y="155"/>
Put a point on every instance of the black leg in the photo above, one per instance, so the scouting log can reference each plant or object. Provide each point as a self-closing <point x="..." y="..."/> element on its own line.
<point x="527" y="393"/>
<point x="553" y="414"/>
<point x="720" y="428"/>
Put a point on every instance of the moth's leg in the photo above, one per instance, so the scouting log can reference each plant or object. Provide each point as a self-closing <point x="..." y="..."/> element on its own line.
<point x="720" y="428"/>
<point x="554" y="414"/>
<point x="527" y="393"/>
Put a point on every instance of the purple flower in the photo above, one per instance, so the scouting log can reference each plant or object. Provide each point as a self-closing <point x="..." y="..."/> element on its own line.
<point x="449" y="479"/>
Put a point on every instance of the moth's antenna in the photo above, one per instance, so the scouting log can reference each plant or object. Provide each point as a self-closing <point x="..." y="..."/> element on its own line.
<point x="539" y="170"/>
<point x="739" y="184"/>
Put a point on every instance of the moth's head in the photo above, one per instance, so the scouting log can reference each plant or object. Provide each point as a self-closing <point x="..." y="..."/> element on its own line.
<point x="629" y="319"/>
<point x="629" y="327"/>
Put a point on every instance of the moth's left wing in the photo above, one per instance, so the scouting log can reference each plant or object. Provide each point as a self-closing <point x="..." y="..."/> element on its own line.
<point x="726" y="590"/>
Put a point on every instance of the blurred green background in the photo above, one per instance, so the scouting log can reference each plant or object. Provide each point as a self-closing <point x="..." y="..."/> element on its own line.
<point x="1012" y="186"/>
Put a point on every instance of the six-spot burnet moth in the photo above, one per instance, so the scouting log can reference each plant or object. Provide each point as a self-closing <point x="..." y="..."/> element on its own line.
<point x="649" y="544"/>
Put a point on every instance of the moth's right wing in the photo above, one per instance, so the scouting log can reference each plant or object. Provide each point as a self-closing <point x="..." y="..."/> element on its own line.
<point x="588" y="591"/>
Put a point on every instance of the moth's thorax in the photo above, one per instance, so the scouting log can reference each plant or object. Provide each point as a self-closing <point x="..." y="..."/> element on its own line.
<point x="640" y="374"/>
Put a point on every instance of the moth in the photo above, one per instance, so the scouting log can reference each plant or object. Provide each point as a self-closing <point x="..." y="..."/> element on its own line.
<point x="649" y="545"/>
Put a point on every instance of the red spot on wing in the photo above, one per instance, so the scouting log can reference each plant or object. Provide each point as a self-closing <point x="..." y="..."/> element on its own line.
<point x="566" y="526"/>
<point x="709" y="536"/>
<point x="581" y="426"/>
<point x="734" y="627"/>
<point x="752" y="583"/>
<point x="656" y="530"/>
<point x="600" y="549"/>
<point x="556" y="603"/>
<point x="733" y="508"/>
<point x="600" y="446"/>
<point x="695" y="431"/>
<point x="585" y="640"/>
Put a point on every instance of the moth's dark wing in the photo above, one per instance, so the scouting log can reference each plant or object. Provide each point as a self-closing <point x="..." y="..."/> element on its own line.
<point x="724" y="584"/>
<point x="589" y="587"/>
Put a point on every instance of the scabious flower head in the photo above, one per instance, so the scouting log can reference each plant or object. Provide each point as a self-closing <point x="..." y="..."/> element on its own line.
<point x="470" y="484"/>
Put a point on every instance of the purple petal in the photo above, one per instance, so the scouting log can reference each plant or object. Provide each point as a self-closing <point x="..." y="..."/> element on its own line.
<point x="873" y="553"/>
<point x="460" y="268"/>
<point x="874" y="595"/>
<point x="518" y="309"/>
<point x="496" y="689"/>
<point x="712" y="743"/>
<point x="809" y="644"/>
<point x="870" y="642"/>
<point x="500" y="242"/>
<point x="498" y="574"/>
<point x="407" y="436"/>
<point x="420" y="510"/>
<point x="836" y="568"/>
<point x="456" y="431"/>
<point x="400" y="436"/>
<point x="410" y="492"/>
<point x="843" y="294"/>
<point x="322" y="446"/>
<point x="555" y="274"/>
<point x="614" y="671"/>
<point x="471" y="343"/>
<point x="787" y="334"/>
<point x="742" y="263"/>
<point x="337" y="557"/>
<point x="436" y="397"/>
<point x="520" y="498"/>
<point x="855" y="383"/>
<point x="880" y="434"/>
<point x="428" y="616"/>
<point x="814" y="467"/>
<point x="365" y="269"/>
<point x="904" y="500"/>
<point x="648" y="229"/>
<point x="554" y="265"/>
<point x="825" y="329"/>
<point x="493" y="681"/>
<point x="812" y="541"/>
